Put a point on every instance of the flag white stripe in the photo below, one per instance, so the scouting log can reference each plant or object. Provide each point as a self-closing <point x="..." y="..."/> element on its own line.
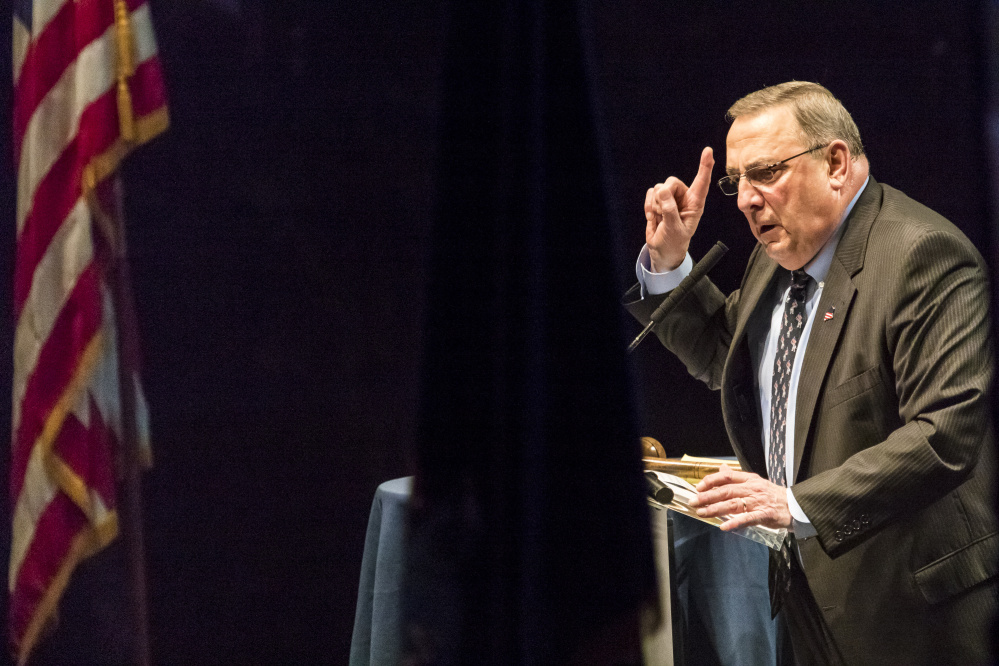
<point x="21" y="40"/>
<point x="42" y="13"/>
<point x="36" y="493"/>
<point x="56" y="119"/>
<point x="55" y="277"/>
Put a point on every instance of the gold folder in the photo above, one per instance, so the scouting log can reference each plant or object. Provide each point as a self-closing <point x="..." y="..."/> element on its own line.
<point x="691" y="472"/>
<point x="689" y="468"/>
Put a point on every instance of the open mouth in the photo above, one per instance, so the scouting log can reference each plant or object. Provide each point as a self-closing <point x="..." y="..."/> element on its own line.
<point x="765" y="228"/>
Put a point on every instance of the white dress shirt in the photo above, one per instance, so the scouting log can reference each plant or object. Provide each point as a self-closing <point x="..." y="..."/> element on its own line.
<point x="763" y="342"/>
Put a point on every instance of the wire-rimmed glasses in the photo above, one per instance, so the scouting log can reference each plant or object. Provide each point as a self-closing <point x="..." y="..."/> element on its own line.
<point x="759" y="175"/>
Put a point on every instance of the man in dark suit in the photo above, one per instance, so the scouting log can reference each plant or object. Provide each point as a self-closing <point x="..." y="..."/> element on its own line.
<point x="854" y="363"/>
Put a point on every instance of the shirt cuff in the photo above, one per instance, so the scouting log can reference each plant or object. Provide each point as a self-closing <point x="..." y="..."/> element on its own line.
<point x="800" y="524"/>
<point x="660" y="283"/>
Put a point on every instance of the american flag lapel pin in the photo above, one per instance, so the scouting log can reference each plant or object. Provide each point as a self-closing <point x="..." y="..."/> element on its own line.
<point x="829" y="313"/>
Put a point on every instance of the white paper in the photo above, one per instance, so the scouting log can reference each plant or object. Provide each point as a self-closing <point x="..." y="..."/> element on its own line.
<point x="684" y="492"/>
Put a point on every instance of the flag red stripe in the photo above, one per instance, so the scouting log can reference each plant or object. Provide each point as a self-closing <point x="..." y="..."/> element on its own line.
<point x="60" y="189"/>
<point x="148" y="90"/>
<point x="74" y="26"/>
<point x="74" y="328"/>
<point x="87" y="451"/>
<point x="54" y="532"/>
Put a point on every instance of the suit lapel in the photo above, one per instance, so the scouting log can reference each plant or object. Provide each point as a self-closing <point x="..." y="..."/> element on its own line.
<point x="837" y="296"/>
<point x="740" y="401"/>
<point x="757" y="283"/>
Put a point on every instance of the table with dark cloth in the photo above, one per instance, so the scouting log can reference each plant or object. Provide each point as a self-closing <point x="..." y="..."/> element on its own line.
<point x="378" y="618"/>
<point x="720" y="583"/>
<point x="722" y="597"/>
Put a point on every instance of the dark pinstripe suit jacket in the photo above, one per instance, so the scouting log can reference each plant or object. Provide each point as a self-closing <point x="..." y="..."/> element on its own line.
<point x="894" y="458"/>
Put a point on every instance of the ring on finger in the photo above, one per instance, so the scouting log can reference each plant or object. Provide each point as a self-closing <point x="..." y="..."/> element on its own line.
<point x="744" y="507"/>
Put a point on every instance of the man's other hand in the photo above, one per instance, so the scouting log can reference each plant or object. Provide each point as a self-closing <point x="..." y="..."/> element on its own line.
<point x="745" y="498"/>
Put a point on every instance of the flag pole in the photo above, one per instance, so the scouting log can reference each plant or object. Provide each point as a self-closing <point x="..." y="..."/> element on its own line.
<point x="130" y="501"/>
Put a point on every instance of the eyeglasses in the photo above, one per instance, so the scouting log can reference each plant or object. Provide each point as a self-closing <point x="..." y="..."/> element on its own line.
<point x="761" y="175"/>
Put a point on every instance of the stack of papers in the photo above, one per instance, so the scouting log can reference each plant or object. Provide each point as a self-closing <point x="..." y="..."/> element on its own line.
<point x="684" y="492"/>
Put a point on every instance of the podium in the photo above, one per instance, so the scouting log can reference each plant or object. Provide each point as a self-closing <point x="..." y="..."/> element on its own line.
<point x="664" y="646"/>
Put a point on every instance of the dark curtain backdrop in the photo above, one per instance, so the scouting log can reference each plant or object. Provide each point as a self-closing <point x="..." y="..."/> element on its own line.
<point x="280" y="237"/>
<point x="529" y="502"/>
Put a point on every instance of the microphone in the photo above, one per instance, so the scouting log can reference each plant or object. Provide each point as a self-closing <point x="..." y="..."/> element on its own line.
<point x="699" y="270"/>
<point x="658" y="490"/>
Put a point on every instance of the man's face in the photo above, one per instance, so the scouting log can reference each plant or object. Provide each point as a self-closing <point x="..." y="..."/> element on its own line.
<point x="795" y="215"/>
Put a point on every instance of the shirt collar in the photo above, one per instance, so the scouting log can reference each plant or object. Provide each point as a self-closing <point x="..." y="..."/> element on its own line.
<point x="819" y="266"/>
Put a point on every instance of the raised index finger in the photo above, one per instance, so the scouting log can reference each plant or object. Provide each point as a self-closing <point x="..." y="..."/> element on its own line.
<point x="702" y="181"/>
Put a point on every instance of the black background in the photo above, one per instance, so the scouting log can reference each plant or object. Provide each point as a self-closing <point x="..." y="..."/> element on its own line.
<point x="279" y="232"/>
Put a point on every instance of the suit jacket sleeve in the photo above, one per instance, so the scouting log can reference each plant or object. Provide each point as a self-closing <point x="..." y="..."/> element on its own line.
<point x="699" y="330"/>
<point x="928" y="394"/>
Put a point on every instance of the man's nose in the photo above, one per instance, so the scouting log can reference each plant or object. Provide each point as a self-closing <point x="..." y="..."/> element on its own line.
<point x="749" y="198"/>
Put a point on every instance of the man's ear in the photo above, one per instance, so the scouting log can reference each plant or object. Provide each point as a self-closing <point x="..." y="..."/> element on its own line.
<point x="838" y="161"/>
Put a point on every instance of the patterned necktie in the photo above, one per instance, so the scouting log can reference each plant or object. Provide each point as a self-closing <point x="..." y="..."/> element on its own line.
<point x="792" y="324"/>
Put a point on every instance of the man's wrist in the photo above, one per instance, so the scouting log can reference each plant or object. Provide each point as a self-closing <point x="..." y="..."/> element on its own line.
<point x="659" y="283"/>
<point x="662" y="264"/>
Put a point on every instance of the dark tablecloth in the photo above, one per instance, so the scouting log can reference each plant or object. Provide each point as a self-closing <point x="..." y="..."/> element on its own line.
<point x="378" y="619"/>
<point x="721" y="587"/>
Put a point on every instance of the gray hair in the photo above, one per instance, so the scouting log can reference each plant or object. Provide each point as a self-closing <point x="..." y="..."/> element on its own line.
<point x="821" y="117"/>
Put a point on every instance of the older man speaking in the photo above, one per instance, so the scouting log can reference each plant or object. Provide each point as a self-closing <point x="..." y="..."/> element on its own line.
<point x="854" y="363"/>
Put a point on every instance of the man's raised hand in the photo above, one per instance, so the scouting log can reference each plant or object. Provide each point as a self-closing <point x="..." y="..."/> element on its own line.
<point x="672" y="211"/>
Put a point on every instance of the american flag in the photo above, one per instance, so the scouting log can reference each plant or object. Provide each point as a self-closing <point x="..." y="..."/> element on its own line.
<point x="87" y="89"/>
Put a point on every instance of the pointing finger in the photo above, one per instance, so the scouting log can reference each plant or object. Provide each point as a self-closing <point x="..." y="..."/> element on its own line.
<point x="702" y="181"/>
